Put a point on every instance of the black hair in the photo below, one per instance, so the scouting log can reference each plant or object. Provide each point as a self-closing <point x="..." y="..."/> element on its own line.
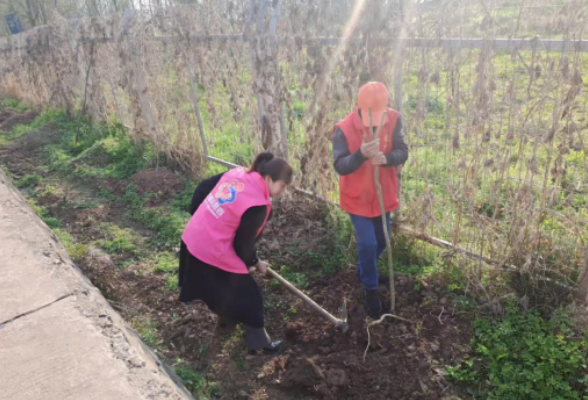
<point x="277" y="168"/>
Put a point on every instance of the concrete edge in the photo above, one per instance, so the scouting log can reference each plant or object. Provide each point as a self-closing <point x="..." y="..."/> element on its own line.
<point x="94" y="306"/>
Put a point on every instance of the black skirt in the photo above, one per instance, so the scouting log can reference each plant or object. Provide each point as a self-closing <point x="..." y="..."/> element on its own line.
<point x="236" y="297"/>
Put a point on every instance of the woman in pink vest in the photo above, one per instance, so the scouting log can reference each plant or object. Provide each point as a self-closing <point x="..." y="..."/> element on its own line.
<point x="229" y="212"/>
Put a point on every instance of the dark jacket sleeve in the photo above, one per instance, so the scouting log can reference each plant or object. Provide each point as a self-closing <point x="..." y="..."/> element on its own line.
<point x="203" y="190"/>
<point x="345" y="162"/>
<point x="246" y="235"/>
<point x="399" y="153"/>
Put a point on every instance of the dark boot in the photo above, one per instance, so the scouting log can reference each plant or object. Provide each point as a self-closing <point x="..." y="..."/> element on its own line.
<point x="373" y="304"/>
<point x="258" y="339"/>
<point x="273" y="347"/>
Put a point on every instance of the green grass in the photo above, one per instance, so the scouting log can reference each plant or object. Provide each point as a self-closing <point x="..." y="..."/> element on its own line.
<point x="120" y="241"/>
<point x="195" y="382"/>
<point x="15" y="105"/>
<point x="147" y="329"/>
<point x="167" y="222"/>
<point x="77" y="251"/>
<point x="28" y="181"/>
<point x="523" y="356"/>
<point x="101" y="154"/>
<point x="297" y="279"/>
<point x="171" y="282"/>
<point x="167" y="263"/>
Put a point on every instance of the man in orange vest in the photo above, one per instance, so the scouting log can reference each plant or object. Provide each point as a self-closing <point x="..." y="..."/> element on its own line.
<point x="355" y="157"/>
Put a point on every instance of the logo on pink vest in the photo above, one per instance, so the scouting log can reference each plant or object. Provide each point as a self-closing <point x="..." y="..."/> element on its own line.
<point x="227" y="192"/>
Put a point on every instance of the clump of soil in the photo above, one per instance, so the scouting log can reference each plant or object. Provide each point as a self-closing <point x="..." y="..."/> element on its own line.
<point x="21" y="156"/>
<point x="161" y="181"/>
<point x="162" y="184"/>
<point x="33" y="143"/>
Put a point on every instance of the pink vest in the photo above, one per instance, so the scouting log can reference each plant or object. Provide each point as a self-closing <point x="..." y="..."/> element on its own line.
<point x="210" y="233"/>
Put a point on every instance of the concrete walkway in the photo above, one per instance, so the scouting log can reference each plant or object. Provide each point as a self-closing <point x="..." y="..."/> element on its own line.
<point x="59" y="338"/>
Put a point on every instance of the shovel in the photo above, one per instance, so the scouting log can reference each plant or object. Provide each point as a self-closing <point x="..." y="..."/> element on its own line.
<point x="340" y="323"/>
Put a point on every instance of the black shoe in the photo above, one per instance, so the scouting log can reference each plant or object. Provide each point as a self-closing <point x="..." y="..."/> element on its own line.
<point x="373" y="304"/>
<point x="271" y="348"/>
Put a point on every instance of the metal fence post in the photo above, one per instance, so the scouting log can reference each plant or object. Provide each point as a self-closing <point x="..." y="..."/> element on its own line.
<point x="398" y="76"/>
<point x="197" y="112"/>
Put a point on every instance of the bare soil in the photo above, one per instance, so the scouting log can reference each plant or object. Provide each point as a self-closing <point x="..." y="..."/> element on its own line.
<point x="405" y="360"/>
<point x="9" y="119"/>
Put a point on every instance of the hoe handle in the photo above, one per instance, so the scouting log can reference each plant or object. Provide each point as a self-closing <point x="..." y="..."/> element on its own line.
<point x="336" y="321"/>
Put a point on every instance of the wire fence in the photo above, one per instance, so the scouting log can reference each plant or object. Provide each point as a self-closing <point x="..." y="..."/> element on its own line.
<point x="492" y="94"/>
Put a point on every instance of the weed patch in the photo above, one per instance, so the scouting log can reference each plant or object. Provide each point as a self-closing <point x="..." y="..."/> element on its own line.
<point x="28" y="181"/>
<point x="14" y="104"/>
<point x="120" y="241"/>
<point x="195" y="382"/>
<point x="147" y="329"/>
<point x="77" y="251"/>
<point x="167" y="222"/>
<point x="523" y="356"/>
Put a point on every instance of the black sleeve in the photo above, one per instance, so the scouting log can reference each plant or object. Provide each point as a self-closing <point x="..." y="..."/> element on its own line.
<point x="345" y="163"/>
<point x="399" y="153"/>
<point x="246" y="235"/>
<point x="203" y="190"/>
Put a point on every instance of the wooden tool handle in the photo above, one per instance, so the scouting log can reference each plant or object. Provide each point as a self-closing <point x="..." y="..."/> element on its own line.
<point x="307" y="299"/>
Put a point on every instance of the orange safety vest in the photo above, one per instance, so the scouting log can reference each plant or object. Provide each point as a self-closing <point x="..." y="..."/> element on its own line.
<point x="358" y="193"/>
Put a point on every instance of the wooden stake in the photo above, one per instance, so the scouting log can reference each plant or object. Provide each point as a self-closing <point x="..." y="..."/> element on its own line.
<point x="383" y="212"/>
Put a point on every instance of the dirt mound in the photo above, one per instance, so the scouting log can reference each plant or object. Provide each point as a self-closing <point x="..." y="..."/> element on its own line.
<point x="161" y="181"/>
<point x="22" y="153"/>
<point x="4" y="115"/>
<point x="404" y="361"/>
<point x="34" y="143"/>
<point x="7" y="121"/>
<point x="302" y="373"/>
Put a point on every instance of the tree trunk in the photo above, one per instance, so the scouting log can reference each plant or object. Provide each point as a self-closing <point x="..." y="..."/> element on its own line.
<point x="266" y="83"/>
<point x="582" y="286"/>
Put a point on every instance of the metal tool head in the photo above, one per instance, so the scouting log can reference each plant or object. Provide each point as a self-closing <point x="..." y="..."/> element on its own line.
<point x="342" y="324"/>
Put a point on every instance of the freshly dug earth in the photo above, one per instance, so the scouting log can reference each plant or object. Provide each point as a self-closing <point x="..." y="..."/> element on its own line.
<point x="405" y="360"/>
<point x="160" y="184"/>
